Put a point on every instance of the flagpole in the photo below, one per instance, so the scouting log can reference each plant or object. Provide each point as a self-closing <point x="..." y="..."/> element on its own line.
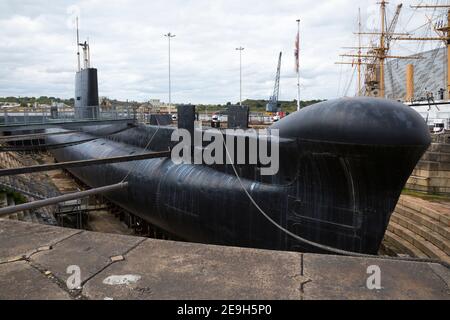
<point x="298" y="65"/>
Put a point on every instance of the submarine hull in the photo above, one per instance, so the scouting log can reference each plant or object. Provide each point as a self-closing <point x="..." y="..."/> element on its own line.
<point x="343" y="165"/>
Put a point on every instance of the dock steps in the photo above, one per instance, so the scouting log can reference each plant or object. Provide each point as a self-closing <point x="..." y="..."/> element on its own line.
<point x="432" y="173"/>
<point x="420" y="228"/>
<point x="437" y="212"/>
<point x="33" y="187"/>
<point x="426" y="233"/>
<point x="419" y="242"/>
<point x="423" y="220"/>
<point x="398" y="244"/>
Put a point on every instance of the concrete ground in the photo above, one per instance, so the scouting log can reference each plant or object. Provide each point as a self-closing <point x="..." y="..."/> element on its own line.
<point x="35" y="260"/>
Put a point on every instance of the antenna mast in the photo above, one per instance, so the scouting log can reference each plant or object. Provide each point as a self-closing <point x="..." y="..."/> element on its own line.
<point x="78" y="47"/>
<point x="85" y="54"/>
<point x="86" y="51"/>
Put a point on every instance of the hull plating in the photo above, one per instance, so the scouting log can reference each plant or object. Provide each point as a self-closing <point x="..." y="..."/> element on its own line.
<point x="343" y="166"/>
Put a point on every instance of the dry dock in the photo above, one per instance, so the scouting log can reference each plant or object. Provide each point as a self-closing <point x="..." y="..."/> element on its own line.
<point x="34" y="260"/>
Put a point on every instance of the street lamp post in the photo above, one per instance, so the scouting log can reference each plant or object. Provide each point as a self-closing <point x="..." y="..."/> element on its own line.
<point x="170" y="36"/>
<point x="240" y="49"/>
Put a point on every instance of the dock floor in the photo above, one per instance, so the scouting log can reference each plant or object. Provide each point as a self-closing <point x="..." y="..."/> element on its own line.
<point x="34" y="262"/>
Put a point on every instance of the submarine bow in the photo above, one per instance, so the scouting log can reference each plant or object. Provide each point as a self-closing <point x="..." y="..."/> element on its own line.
<point x="343" y="164"/>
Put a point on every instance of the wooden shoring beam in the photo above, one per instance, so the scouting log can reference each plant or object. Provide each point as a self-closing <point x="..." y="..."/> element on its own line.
<point x="83" y="163"/>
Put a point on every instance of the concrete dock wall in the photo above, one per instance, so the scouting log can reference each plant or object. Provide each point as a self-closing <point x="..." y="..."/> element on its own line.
<point x="34" y="262"/>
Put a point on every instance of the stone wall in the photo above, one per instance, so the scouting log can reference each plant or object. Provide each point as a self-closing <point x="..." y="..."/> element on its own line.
<point x="432" y="173"/>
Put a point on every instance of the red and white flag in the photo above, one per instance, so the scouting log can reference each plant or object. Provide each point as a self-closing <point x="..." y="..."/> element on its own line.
<point x="297" y="52"/>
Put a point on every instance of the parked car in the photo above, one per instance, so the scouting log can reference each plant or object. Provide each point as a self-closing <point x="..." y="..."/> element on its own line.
<point x="438" y="128"/>
<point x="276" y="118"/>
<point x="215" y="121"/>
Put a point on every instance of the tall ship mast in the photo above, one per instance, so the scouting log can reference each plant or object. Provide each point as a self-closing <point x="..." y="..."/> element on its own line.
<point x="373" y="57"/>
<point x="420" y="80"/>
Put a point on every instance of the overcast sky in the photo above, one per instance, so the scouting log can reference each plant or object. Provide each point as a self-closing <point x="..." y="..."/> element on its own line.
<point x="37" y="55"/>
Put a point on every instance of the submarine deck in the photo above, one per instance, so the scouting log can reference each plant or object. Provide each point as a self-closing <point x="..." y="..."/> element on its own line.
<point x="34" y="260"/>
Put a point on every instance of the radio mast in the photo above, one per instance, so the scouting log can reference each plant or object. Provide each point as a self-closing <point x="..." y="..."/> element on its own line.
<point x="78" y="47"/>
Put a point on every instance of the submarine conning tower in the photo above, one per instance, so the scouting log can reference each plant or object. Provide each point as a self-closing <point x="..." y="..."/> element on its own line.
<point x="86" y="85"/>
<point x="86" y="94"/>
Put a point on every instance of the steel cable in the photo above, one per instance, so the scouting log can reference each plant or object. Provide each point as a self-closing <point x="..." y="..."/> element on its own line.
<point x="312" y="243"/>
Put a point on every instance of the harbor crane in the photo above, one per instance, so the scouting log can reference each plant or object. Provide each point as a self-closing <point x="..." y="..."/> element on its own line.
<point x="381" y="53"/>
<point x="393" y="26"/>
<point x="272" y="106"/>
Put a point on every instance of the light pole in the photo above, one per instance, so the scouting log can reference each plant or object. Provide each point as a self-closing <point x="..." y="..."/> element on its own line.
<point x="170" y="36"/>
<point x="240" y="49"/>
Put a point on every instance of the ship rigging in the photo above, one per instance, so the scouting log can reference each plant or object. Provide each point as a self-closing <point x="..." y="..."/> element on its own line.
<point x="371" y="60"/>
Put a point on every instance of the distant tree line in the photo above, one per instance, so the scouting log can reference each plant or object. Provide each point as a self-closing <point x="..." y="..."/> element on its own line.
<point x="26" y="101"/>
<point x="260" y="105"/>
<point x="254" y="105"/>
<point x="287" y="106"/>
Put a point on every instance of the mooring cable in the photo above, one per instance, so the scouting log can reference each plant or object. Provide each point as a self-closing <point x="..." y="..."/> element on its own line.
<point x="312" y="243"/>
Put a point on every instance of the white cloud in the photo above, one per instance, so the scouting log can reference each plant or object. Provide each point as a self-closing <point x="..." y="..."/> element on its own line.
<point x="130" y="51"/>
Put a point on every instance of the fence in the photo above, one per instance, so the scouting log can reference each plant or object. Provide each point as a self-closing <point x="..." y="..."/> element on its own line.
<point x="26" y="116"/>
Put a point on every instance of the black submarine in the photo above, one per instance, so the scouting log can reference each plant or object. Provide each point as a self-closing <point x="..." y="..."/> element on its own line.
<point x="343" y="165"/>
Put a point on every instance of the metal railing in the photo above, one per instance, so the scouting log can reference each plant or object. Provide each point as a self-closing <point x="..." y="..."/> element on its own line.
<point x="27" y="116"/>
